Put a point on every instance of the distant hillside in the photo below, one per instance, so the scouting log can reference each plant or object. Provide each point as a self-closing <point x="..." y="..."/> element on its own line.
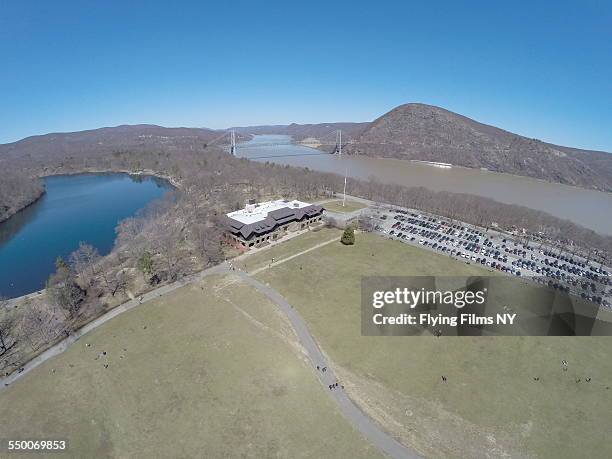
<point x="411" y="131"/>
<point x="424" y="132"/>
<point x="142" y="137"/>
<point x="302" y="131"/>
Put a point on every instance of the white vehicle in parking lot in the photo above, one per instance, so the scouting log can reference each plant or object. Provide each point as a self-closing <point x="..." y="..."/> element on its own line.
<point x="421" y="241"/>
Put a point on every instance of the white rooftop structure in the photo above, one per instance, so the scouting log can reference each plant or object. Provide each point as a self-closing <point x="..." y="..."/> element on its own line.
<point x="253" y="213"/>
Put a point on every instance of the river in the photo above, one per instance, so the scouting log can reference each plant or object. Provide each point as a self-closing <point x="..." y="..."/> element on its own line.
<point x="589" y="208"/>
<point x="75" y="208"/>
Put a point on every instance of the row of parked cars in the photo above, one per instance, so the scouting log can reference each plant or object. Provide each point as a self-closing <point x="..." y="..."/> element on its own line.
<point x="557" y="270"/>
<point x="452" y="239"/>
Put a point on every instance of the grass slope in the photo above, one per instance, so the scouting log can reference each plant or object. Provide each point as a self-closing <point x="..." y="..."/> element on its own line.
<point x="203" y="372"/>
<point x="491" y="405"/>
<point x="349" y="206"/>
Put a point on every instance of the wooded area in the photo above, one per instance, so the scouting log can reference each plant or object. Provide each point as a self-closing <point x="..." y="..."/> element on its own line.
<point x="17" y="191"/>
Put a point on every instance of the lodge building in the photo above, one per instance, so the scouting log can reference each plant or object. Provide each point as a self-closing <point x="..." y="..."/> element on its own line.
<point x="263" y="222"/>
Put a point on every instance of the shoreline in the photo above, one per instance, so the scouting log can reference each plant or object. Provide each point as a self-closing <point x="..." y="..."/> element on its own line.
<point x="491" y="171"/>
<point x="171" y="181"/>
<point x="149" y="293"/>
<point x="25" y="206"/>
<point x="488" y="171"/>
<point x="144" y="173"/>
<point x="477" y="169"/>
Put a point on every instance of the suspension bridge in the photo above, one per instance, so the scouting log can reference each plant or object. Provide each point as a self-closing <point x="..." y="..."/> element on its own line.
<point x="333" y="140"/>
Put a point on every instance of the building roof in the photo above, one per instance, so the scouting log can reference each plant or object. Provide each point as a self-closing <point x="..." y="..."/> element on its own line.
<point x="264" y="217"/>
<point x="256" y="212"/>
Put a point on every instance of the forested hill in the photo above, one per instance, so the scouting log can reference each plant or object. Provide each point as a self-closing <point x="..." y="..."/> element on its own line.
<point x="425" y="132"/>
<point x="111" y="148"/>
<point x="88" y="145"/>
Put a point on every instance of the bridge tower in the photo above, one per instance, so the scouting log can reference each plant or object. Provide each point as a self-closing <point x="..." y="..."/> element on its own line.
<point x="233" y="142"/>
<point x="339" y="142"/>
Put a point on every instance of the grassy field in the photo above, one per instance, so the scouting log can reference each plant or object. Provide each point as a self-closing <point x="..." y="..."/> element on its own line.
<point x="283" y="250"/>
<point x="350" y="206"/>
<point x="490" y="406"/>
<point x="210" y="370"/>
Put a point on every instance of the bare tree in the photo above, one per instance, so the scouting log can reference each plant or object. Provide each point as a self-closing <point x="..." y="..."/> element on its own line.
<point x="115" y="280"/>
<point x="207" y="239"/>
<point x="42" y="323"/>
<point x="168" y="249"/>
<point x="366" y="223"/>
<point x="331" y="222"/>
<point x="8" y="340"/>
<point x="63" y="290"/>
<point x="8" y="335"/>
<point x="83" y="262"/>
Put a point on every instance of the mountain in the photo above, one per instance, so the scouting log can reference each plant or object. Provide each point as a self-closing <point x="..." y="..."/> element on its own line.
<point x="425" y="132"/>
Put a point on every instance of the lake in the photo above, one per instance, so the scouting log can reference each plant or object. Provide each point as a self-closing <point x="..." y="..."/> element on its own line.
<point x="75" y="208"/>
<point x="589" y="208"/>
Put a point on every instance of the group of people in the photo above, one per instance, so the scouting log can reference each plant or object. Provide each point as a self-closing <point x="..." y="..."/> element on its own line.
<point x="335" y="386"/>
<point x="330" y="386"/>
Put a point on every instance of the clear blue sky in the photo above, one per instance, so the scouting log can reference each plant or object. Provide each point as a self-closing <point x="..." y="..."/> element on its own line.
<point x="542" y="69"/>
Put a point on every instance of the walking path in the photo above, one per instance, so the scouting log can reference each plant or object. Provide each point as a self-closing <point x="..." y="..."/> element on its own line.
<point x="74" y="336"/>
<point x="155" y="293"/>
<point x="291" y="257"/>
<point x="362" y="422"/>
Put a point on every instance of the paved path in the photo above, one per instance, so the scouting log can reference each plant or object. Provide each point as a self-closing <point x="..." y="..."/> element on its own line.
<point x="350" y="411"/>
<point x="156" y="293"/>
<point x="76" y="335"/>
<point x="291" y="257"/>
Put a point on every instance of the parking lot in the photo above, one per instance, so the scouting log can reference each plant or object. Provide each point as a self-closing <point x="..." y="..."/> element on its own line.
<point x="499" y="251"/>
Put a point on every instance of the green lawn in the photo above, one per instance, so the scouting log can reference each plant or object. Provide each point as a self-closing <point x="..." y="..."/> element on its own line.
<point x="350" y="206"/>
<point x="202" y="372"/>
<point x="490" y="405"/>
<point x="284" y="249"/>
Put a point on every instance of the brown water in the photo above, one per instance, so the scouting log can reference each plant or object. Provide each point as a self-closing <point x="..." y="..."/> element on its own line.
<point x="589" y="208"/>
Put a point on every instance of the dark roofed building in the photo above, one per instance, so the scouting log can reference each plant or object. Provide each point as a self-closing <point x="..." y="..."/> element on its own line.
<point x="262" y="222"/>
